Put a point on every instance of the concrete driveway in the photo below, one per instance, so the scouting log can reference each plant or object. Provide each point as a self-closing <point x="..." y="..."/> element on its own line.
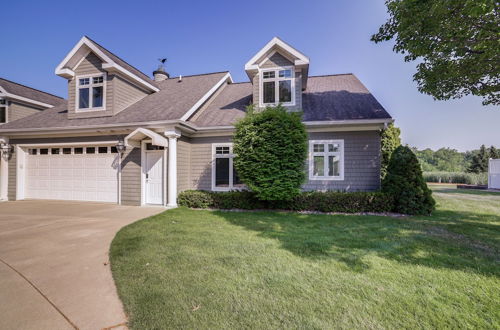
<point x="54" y="266"/>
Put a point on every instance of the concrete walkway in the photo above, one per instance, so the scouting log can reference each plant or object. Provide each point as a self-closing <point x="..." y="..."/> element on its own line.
<point x="54" y="265"/>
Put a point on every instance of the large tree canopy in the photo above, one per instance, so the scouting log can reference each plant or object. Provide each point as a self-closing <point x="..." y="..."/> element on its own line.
<point x="457" y="42"/>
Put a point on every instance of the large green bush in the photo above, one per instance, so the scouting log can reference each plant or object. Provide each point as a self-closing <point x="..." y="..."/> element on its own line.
<point x="405" y="182"/>
<point x="346" y="202"/>
<point x="271" y="149"/>
<point x="457" y="177"/>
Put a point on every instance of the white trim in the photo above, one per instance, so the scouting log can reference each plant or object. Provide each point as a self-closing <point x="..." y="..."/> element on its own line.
<point x="141" y="133"/>
<point x="90" y="86"/>
<point x="108" y="65"/>
<point x="230" y="156"/>
<point x="325" y="154"/>
<point x="205" y="97"/>
<point x="25" y="100"/>
<point x="143" y="172"/>
<point x="4" y="173"/>
<point x="62" y="144"/>
<point x="276" y="81"/>
<point x="301" y="58"/>
<point x="348" y="122"/>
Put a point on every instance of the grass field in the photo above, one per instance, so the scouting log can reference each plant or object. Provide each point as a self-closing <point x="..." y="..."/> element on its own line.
<point x="267" y="270"/>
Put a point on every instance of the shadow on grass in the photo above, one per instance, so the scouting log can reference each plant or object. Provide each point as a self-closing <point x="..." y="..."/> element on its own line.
<point x="352" y="239"/>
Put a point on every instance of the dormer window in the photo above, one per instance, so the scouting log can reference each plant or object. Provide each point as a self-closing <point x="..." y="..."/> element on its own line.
<point x="277" y="86"/>
<point x="90" y="93"/>
<point x="3" y="111"/>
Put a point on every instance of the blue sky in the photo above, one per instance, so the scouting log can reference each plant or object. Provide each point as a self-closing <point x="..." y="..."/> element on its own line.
<point x="207" y="36"/>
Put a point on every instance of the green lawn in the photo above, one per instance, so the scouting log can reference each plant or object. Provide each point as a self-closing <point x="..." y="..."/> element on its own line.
<point x="268" y="270"/>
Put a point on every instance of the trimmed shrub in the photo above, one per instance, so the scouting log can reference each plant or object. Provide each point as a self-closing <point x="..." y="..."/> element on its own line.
<point x="331" y="201"/>
<point x="271" y="149"/>
<point x="389" y="141"/>
<point x="404" y="181"/>
<point x="456" y="177"/>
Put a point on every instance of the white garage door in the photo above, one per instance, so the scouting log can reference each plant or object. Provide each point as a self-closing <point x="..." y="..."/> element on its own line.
<point x="72" y="173"/>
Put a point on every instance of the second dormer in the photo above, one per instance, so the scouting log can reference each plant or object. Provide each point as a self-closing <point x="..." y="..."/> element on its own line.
<point x="278" y="73"/>
<point x="100" y="83"/>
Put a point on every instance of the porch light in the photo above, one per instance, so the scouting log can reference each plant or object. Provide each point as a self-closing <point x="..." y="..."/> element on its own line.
<point x="121" y="147"/>
<point x="6" y="150"/>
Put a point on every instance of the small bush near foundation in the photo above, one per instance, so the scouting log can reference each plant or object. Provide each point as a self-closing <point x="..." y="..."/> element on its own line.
<point x="331" y="201"/>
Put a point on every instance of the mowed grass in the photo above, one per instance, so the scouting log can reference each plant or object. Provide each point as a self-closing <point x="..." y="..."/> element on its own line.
<point x="268" y="270"/>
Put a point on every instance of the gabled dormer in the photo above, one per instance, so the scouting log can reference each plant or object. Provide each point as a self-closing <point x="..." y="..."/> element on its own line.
<point x="100" y="83"/>
<point x="278" y="73"/>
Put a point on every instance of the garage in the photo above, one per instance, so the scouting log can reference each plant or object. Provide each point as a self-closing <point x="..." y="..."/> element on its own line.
<point x="81" y="173"/>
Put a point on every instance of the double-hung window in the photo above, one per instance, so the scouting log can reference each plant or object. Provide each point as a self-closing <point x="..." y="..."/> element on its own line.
<point x="326" y="160"/>
<point x="3" y="111"/>
<point x="277" y="86"/>
<point x="90" y="93"/>
<point x="224" y="176"/>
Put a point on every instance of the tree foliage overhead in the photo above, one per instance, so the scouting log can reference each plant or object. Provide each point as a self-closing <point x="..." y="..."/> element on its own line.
<point x="457" y="42"/>
<point x="271" y="150"/>
<point x="389" y="141"/>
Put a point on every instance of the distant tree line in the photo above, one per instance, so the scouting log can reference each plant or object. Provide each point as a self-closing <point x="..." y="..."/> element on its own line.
<point x="451" y="160"/>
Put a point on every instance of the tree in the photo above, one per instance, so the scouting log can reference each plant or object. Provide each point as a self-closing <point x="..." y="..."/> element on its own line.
<point x="479" y="163"/>
<point x="404" y="181"/>
<point x="271" y="151"/>
<point x="389" y="141"/>
<point x="494" y="153"/>
<point x="456" y="42"/>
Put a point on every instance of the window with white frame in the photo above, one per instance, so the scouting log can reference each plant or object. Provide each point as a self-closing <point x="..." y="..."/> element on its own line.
<point x="277" y="86"/>
<point x="3" y="111"/>
<point x="326" y="159"/>
<point x="224" y="176"/>
<point x="90" y="93"/>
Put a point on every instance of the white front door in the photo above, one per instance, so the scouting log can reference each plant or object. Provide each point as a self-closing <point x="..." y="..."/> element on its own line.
<point x="154" y="177"/>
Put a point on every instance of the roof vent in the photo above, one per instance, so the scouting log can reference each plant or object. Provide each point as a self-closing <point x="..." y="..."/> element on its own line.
<point x="160" y="74"/>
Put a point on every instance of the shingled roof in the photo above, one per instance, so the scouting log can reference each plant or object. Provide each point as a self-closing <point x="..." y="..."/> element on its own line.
<point x="327" y="98"/>
<point x="29" y="93"/>
<point x="173" y="100"/>
<point x="124" y="64"/>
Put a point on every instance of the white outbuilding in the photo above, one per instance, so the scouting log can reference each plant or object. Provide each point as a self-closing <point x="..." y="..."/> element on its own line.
<point x="494" y="174"/>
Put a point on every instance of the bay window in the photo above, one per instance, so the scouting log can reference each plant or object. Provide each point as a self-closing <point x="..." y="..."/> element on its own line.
<point x="224" y="175"/>
<point x="90" y="93"/>
<point x="326" y="160"/>
<point x="277" y="86"/>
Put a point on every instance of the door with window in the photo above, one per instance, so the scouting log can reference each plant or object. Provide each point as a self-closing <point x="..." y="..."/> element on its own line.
<point x="154" y="175"/>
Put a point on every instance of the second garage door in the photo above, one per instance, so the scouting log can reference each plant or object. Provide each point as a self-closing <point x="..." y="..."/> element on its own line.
<point x="80" y="173"/>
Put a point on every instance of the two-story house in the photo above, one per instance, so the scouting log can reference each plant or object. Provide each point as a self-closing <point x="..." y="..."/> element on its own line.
<point x="126" y="138"/>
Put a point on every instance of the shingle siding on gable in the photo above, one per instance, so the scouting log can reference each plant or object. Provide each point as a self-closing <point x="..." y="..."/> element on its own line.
<point x="276" y="60"/>
<point x="125" y="94"/>
<point x="361" y="162"/>
<point x="17" y="111"/>
<point x="91" y="64"/>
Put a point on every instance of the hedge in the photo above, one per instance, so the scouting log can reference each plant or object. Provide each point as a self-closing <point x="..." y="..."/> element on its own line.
<point x="457" y="177"/>
<point x="331" y="201"/>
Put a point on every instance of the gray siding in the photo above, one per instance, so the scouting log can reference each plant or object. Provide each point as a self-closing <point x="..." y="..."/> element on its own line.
<point x="131" y="177"/>
<point x="11" y="191"/>
<point x="277" y="60"/>
<point x="89" y="65"/>
<point x="125" y="94"/>
<point x="183" y="164"/>
<point x="201" y="161"/>
<point x="361" y="162"/>
<point x="17" y="111"/>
